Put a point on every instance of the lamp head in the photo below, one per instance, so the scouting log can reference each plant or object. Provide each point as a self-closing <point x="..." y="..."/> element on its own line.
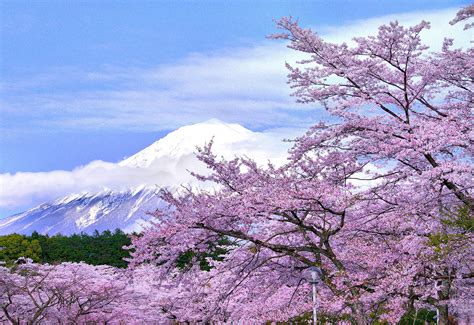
<point x="313" y="274"/>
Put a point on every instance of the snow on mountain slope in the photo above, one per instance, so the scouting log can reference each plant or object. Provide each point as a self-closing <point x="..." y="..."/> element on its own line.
<point x="133" y="182"/>
<point x="184" y="140"/>
<point x="87" y="212"/>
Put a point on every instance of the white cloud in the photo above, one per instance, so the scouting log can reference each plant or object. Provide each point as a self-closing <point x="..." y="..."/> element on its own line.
<point x="242" y="85"/>
<point x="440" y="27"/>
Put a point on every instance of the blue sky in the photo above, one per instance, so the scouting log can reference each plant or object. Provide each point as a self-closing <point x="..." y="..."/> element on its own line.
<point x="100" y="80"/>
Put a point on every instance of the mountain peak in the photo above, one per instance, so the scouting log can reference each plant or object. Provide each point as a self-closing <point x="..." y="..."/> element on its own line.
<point x="185" y="139"/>
<point x="211" y="121"/>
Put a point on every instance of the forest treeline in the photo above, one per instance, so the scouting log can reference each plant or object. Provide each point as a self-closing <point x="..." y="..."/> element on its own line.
<point x="106" y="248"/>
<point x="96" y="249"/>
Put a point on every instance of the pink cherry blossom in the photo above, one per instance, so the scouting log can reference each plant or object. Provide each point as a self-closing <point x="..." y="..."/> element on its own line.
<point x="364" y="198"/>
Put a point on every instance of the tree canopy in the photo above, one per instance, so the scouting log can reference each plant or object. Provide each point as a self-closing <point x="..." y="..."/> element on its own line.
<point x="381" y="200"/>
<point x="106" y="248"/>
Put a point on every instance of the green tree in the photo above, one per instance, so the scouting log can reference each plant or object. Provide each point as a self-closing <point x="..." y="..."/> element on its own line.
<point x="15" y="246"/>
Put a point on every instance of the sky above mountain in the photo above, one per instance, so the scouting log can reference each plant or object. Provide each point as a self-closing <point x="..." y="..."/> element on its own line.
<point x="100" y="80"/>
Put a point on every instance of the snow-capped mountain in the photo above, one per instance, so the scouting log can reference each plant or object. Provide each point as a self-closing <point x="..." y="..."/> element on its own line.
<point x="127" y="210"/>
<point x="132" y="183"/>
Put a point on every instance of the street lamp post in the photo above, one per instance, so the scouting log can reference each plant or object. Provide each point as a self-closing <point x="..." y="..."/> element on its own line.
<point x="315" y="276"/>
<point x="2" y="262"/>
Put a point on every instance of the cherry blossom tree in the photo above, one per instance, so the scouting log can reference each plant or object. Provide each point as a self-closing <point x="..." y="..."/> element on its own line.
<point x="381" y="200"/>
<point x="464" y="14"/>
<point x="68" y="292"/>
<point x="78" y="293"/>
